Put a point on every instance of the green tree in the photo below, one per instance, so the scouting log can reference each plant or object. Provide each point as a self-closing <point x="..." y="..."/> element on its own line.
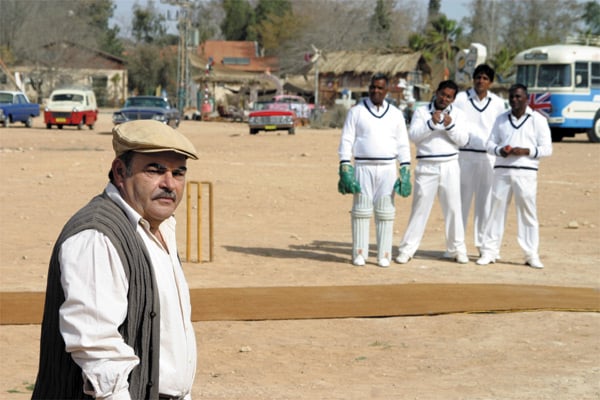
<point x="100" y="12"/>
<point x="380" y="21"/>
<point x="239" y="18"/>
<point x="277" y="17"/>
<point x="433" y="9"/>
<point x="149" y="67"/>
<point x="148" y="25"/>
<point x="152" y="62"/>
<point x="267" y="8"/>
<point x="441" y="38"/>
<point x="419" y="42"/>
<point x="591" y="17"/>
<point x="277" y="30"/>
<point x="502" y="62"/>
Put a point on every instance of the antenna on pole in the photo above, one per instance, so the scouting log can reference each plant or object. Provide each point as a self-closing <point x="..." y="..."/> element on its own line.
<point x="314" y="58"/>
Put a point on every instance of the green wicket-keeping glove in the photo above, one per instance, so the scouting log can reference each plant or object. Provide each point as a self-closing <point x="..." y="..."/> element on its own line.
<point x="347" y="183"/>
<point x="402" y="185"/>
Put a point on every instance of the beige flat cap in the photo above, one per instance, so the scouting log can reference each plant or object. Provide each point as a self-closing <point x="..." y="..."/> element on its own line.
<point x="150" y="136"/>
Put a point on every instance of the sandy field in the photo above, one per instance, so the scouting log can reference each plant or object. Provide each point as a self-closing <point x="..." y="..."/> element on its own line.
<point x="279" y="221"/>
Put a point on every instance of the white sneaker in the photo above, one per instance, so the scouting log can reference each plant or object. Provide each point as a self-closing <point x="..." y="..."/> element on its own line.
<point x="462" y="258"/>
<point x="403" y="258"/>
<point x="359" y="261"/>
<point x="383" y="263"/>
<point x="485" y="260"/>
<point x="481" y="255"/>
<point x="535" y="263"/>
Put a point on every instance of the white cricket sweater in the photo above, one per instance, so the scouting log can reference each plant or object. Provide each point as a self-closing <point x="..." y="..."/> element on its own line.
<point x="480" y="115"/>
<point x="530" y="131"/>
<point x="372" y="134"/>
<point x="436" y="142"/>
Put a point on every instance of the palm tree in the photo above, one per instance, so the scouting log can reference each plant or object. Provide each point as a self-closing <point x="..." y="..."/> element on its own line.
<point x="502" y="62"/>
<point x="418" y="42"/>
<point x="442" y="36"/>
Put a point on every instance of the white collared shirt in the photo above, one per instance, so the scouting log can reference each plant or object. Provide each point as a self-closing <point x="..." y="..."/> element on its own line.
<point x="96" y="305"/>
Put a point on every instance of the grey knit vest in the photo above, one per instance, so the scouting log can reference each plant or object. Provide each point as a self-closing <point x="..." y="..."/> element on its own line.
<point x="59" y="377"/>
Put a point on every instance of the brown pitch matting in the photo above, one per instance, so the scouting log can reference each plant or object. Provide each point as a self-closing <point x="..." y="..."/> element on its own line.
<point x="261" y="303"/>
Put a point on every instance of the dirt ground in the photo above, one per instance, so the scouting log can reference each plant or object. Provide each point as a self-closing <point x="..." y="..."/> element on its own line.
<point x="279" y="221"/>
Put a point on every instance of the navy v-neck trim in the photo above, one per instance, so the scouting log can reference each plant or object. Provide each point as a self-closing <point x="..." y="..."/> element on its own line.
<point x="372" y="113"/>
<point x="432" y="108"/>
<point x="489" y="100"/>
<point x="521" y="124"/>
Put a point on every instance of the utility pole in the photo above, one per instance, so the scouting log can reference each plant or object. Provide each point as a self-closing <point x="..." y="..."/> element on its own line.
<point x="317" y="83"/>
<point x="183" y="62"/>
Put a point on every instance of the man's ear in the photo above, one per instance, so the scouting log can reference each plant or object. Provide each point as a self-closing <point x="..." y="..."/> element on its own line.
<point x="118" y="171"/>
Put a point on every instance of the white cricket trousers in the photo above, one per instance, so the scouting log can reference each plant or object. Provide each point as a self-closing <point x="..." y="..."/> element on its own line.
<point x="442" y="179"/>
<point x="376" y="179"/>
<point x="376" y="196"/>
<point x="476" y="178"/>
<point x="523" y="185"/>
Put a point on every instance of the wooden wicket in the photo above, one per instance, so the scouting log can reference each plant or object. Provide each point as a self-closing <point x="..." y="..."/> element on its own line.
<point x="199" y="188"/>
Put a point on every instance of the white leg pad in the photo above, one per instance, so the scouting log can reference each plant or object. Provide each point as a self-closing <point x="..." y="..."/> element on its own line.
<point x="385" y="213"/>
<point x="362" y="209"/>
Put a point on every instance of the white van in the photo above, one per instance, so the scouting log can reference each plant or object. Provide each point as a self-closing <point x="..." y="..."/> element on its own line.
<point x="74" y="107"/>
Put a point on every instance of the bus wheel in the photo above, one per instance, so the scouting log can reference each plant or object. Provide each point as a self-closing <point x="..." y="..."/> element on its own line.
<point x="594" y="131"/>
<point x="557" y="135"/>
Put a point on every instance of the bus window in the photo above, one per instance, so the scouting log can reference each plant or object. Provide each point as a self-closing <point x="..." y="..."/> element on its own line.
<point x="581" y="75"/>
<point x="596" y="75"/>
<point x="554" y="75"/>
<point x="526" y="75"/>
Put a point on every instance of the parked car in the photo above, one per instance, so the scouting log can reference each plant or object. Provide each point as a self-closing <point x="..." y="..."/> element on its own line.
<point x="265" y="118"/>
<point x="71" y="107"/>
<point x="295" y="103"/>
<point x="15" y="107"/>
<point x="192" y="114"/>
<point x="148" y="107"/>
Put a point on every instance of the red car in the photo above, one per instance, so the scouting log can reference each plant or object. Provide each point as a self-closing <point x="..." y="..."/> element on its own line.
<point x="71" y="107"/>
<point x="265" y="117"/>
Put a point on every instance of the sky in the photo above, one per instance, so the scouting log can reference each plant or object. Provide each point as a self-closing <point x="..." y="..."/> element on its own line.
<point x="454" y="9"/>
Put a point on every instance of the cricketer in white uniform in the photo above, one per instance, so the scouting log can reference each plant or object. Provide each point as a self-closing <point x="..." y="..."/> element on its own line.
<point x="520" y="137"/>
<point x="481" y="108"/>
<point x="438" y="130"/>
<point x="374" y="134"/>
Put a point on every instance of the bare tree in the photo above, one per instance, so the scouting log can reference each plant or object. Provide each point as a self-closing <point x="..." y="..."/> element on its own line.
<point x="344" y="25"/>
<point x="207" y="19"/>
<point x="12" y="17"/>
<point x="484" y="23"/>
<point x="520" y="24"/>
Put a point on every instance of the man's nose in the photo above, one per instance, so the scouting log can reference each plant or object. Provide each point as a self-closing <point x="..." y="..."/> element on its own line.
<point x="168" y="180"/>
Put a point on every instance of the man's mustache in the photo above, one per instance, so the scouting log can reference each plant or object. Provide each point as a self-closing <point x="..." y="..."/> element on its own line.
<point x="165" y="195"/>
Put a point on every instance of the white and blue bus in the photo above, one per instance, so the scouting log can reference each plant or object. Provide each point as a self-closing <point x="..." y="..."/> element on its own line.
<point x="563" y="81"/>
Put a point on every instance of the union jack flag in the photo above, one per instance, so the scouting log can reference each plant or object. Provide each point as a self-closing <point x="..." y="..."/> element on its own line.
<point x="540" y="102"/>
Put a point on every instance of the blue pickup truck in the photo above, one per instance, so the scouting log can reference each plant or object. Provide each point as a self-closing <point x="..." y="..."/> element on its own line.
<point x="15" y="107"/>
